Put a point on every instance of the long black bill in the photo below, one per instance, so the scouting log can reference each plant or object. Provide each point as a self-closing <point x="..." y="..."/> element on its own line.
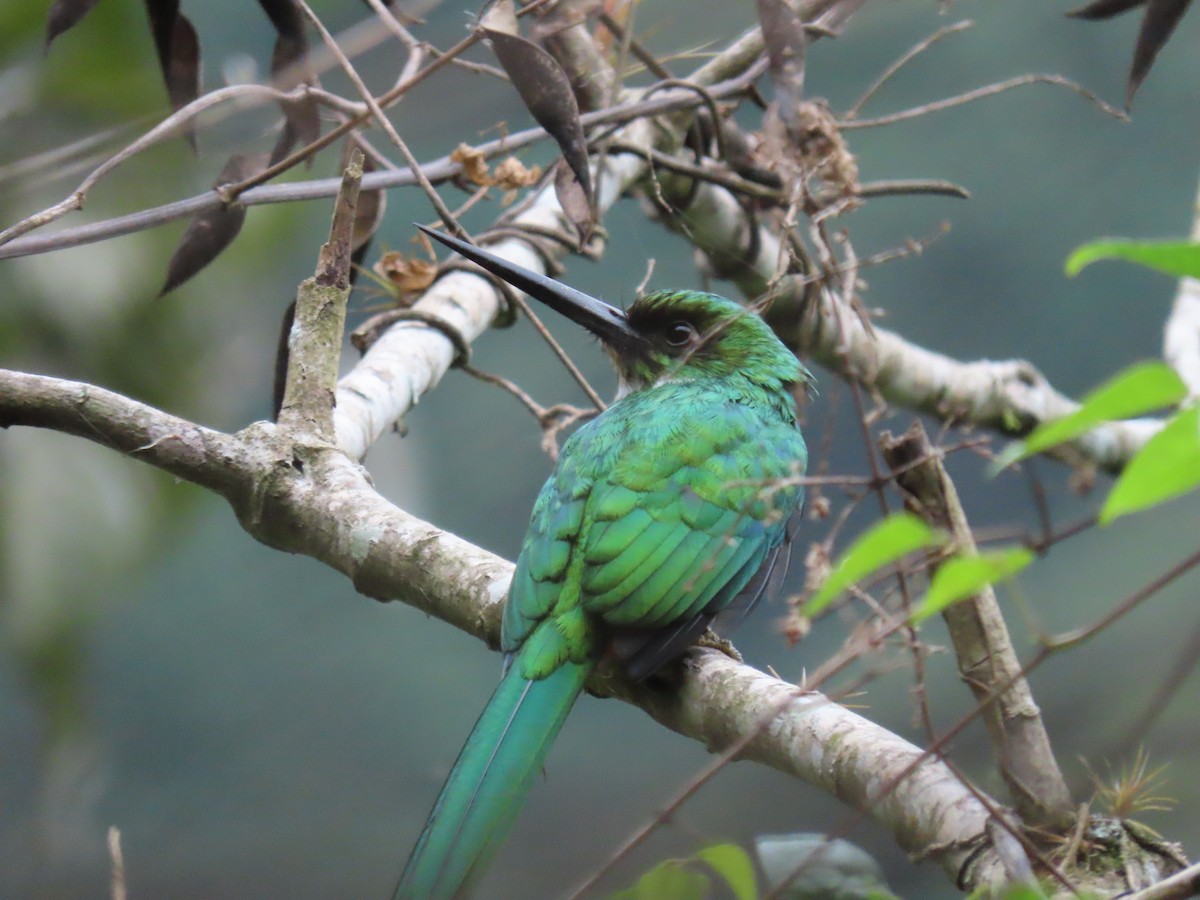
<point x="606" y="322"/>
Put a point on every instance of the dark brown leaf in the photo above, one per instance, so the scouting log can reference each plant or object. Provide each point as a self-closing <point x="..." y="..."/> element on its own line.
<point x="64" y="15"/>
<point x="290" y="69"/>
<point x="211" y="232"/>
<point x="1104" y="9"/>
<point x="574" y="200"/>
<point x="178" y="51"/>
<point x="785" y="39"/>
<point x="546" y="92"/>
<point x="1157" y="26"/>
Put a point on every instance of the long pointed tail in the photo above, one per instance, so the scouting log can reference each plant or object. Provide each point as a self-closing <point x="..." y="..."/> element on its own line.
<point x="489" y="781"/>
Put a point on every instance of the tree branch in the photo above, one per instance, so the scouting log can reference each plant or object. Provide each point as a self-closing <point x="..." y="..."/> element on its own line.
<point x="315" y="339"/>
<point x="1009" y="396"/>
<point x="986" y="659"/>
<point x="211" y="459"/>
<point x="1181" y="337"/>
<point x="411" y="357"/>
<point x="309" y="498"/>
<point x="438" y="171"/>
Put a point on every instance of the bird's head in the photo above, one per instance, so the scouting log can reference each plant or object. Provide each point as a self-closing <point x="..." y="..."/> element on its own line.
<point x="663" y="336"/>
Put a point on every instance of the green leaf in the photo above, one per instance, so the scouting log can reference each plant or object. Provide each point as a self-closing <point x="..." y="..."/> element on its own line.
<point x="669" y="880"/>
<point x="1169" y="465"/>
<point x="883" y="543"/>
<point x="963" y="576"/>
<point x="1177" y="258"/>
<point x="1139" y="389"/>
<point x="733" y="864"/>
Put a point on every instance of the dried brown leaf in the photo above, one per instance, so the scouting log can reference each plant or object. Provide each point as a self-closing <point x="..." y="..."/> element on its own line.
<point x="1104" y="9"/>
<point x="368" y="213"/>
<point x="410" y="275"/>
<point x="574" y="200"/>
<point x="511" y="174"/>
<point x="474" y="164"/>
<point x="1158" y="24"/>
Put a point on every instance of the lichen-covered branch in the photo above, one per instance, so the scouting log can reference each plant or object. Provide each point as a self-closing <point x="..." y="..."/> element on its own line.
<point x="1009" y="396"/>
<point x="1181" y="336"/>
<point x="205" y="457"/>
<point x="986" y="659"/>
<point x="305" y="496"/>
<point x="315" y="339"/>
<point x="924" y="805"/>
<point x="411" y="357"/>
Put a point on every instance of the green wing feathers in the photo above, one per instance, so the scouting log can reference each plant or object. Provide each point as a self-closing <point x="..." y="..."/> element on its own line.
<point x="489" y="781"/>
<point x="654" y="522"/>
<point x="651" y="525"/>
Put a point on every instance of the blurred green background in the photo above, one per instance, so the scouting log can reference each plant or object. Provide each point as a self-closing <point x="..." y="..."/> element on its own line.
<point x="256" y="728"/>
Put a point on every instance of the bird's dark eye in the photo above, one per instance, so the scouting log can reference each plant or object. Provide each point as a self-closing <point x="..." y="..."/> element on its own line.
<point x="679" y="334"/>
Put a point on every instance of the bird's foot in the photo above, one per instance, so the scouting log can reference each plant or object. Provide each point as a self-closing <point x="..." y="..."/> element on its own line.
<point x="713" y="640"/>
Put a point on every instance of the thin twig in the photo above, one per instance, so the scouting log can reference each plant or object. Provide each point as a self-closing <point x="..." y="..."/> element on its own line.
<point x="905" y="59"/>
<point x="381" y="118"/>
<point x="438" y="170"/>
<point x="979" y="93"/>
<point x="1178" y="887"/>
<point x="167" y="128"/>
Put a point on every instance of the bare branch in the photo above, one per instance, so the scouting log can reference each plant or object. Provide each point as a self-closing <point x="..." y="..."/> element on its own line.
<point x="208" y="458"/>
<point x="1011" y="396"/>
<point x="311" y="499"/>
<point x="118" y="891"/>
<point x="908" y="56"/>
<point x="437" y="171"/>
<point x="168" y="128"/>
<point x="315" y="340"/>
<point x="982" y="646"/>
<point x="979" y="93"/>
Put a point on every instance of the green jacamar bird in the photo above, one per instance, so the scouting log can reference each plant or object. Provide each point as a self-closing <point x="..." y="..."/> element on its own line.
<point x="675" y="504"/>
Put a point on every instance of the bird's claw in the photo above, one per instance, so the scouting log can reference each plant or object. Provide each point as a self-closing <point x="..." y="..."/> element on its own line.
<point x="714" y="641"/>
